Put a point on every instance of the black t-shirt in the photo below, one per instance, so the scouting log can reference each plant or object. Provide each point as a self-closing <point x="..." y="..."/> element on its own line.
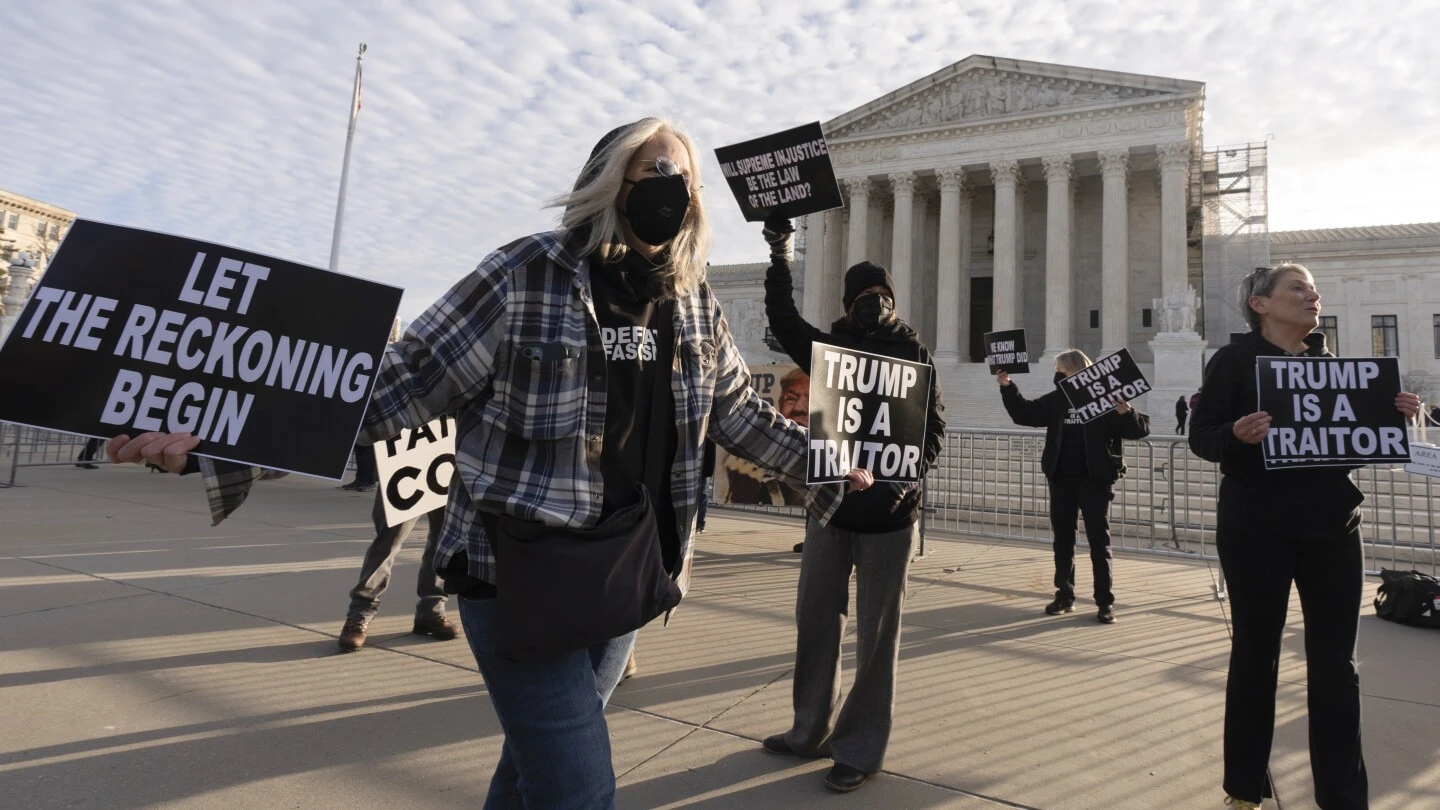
<point x="637" y="329"/>
<point x="1072" y="463"/>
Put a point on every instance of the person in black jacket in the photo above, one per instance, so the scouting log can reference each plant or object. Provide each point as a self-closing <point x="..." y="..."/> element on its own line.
<point x="1181" y="411"/>
<point x="874" y="533"/>
<point x="1275" y="527"/>
<point x="1082" y="463"/>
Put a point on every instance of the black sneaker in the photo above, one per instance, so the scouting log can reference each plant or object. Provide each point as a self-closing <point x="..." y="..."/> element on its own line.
<point x="1057" y="607"/>
<point x="1106" y="615"/>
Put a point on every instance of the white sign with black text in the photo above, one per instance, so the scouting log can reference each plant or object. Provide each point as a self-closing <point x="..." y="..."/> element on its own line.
<point x="416" y="468"/>
<point x="1424" y="460"/>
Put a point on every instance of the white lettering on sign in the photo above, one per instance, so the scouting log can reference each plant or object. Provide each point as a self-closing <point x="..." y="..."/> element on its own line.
<point x="863" y="375"/>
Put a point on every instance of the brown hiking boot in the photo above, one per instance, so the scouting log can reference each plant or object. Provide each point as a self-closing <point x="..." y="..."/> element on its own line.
<point x="352" y="635"/>
<point x="630" y="668"/>
<point x="435" y="625"/>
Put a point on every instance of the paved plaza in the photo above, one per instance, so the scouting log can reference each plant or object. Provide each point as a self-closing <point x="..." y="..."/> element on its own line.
<point x="149" y="660"/>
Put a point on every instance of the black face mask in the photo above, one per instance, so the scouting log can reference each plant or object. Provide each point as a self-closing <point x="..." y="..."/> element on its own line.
<point x="1060" y="375"/>
<point x="656" y="208"/>
<point x="871" y="312"/>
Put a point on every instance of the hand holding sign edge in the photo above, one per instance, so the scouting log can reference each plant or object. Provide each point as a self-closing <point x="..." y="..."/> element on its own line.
<point x="169" y="451"/>
<point x="1252" y="429"/>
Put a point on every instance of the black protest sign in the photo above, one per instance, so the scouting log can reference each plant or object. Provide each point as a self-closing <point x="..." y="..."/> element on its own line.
<point x="268" y="362"/>
<point x="1329" y="411"/>
<point x="415" y="470"/>
<point x="1005" y="351"/>
<point x="787" y="174"/>
<point x="1091" y="389"/>
<point x="866" y="410"/>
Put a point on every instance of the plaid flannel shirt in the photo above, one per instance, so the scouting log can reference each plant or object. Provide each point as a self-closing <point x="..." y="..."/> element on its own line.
<point x="514" y="351"/>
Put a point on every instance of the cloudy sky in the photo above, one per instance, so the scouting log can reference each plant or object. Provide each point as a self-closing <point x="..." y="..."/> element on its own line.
<point x="226" y="121"/>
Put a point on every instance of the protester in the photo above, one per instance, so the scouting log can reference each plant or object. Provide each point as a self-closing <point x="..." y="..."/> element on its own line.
<point x="375" y="571"/>
<point x="1082" y="462"/>
<point x="367" y="474"/>
<point x="87" y="454"/>
<point x="872" y="534"/>
<point x="586" y="368"/>
<point x="1275" y="527"/>
<point x="1181" y="411"/>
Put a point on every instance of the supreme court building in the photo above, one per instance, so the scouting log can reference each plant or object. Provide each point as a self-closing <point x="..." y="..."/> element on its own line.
<point x="1078" y="204"/>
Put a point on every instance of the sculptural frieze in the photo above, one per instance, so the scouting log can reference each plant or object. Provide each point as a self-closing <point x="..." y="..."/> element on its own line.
<point x="970" y="96"/>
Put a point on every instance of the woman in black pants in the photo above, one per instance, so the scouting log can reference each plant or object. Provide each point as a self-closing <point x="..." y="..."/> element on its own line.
<point x="1275" y="527"/>
<point x="1082" y="463"/>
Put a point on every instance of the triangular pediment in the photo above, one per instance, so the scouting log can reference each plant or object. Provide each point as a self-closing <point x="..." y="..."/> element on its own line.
<point x="985" y="88"/>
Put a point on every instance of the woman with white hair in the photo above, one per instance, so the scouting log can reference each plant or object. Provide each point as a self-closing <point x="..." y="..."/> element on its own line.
<point x="1275" y="527"/>
<point x="1081" y="462"/>
<point x="586" y="368"/>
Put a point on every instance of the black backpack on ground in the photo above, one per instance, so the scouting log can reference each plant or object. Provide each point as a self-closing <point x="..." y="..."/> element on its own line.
<point x="1408" y="597"/>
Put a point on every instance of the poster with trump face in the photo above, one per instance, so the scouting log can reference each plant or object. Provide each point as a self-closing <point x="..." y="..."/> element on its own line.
<point x="737" y="481"/>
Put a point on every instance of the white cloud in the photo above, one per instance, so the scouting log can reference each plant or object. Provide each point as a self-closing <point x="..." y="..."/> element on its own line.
<point x="226" y="121"/>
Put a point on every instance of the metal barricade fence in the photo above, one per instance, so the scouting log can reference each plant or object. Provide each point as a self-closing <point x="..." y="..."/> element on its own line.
<point x="33" y="447"/>
<point x="988" y="483"/>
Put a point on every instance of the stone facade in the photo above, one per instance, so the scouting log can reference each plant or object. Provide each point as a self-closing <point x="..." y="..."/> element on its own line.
<point x="1005" y="194"/>
<point x="30" y="229"/>
<point x="1366" y="274"/>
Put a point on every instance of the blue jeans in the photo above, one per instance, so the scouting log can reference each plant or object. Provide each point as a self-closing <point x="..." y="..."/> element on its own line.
<point x="557" y="745"/>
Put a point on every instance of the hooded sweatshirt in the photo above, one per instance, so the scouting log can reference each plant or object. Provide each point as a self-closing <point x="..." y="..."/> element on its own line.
<point x="1099" y="441"/>
<point x="886" y="506"/>
<point x="1306" y="504"/>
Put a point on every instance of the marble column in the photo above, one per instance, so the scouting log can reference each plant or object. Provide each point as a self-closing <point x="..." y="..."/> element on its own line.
<point x="1114" y="251"/>
<point x="922" y="291"/>
<point x="902" y="242"/>
<point x="833" y="286"/>
<point x="950" y="282"/>
<point x="857" y="250"/>
<point x="1059" y="296"/>
<point x="815" y="236"/>
<point x="1174" y="162"/>
<point x="1006" y="175"/>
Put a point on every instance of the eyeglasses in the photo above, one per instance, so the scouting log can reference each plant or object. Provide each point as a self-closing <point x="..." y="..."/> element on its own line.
<point x="665" y="167"/>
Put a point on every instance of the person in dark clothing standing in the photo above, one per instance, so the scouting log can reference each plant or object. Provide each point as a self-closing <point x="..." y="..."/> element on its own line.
<point x="1278" y="526"/>
<point x="1181" y="411"/>
<point x="367" y="474"/>
<point x="873" y="533"/>
<point x="1082" y="463"/>
<point x="430" y="619"/>
<point x="87" y="454"/>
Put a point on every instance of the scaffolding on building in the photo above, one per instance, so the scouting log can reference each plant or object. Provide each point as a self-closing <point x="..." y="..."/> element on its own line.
<point x="1236" y="235"/>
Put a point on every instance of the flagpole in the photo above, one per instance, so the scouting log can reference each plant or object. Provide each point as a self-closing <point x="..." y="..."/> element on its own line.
<point x="345" y="167"/>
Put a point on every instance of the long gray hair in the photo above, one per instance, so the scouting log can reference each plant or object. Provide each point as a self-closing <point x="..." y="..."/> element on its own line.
<point x="1261" y="282"/>
<point x="1071" y="361"/>
<point x="592" y="211"/>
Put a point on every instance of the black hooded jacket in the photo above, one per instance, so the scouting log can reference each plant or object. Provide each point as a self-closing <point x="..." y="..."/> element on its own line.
<point x="1104" y="451"/>
<point x="885" y="506"/>
<point x="1309" y="503"/>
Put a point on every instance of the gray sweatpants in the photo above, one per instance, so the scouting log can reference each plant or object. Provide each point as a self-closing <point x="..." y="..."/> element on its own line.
<point x="380" y="561"/>
<point x="859" y="736"/>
